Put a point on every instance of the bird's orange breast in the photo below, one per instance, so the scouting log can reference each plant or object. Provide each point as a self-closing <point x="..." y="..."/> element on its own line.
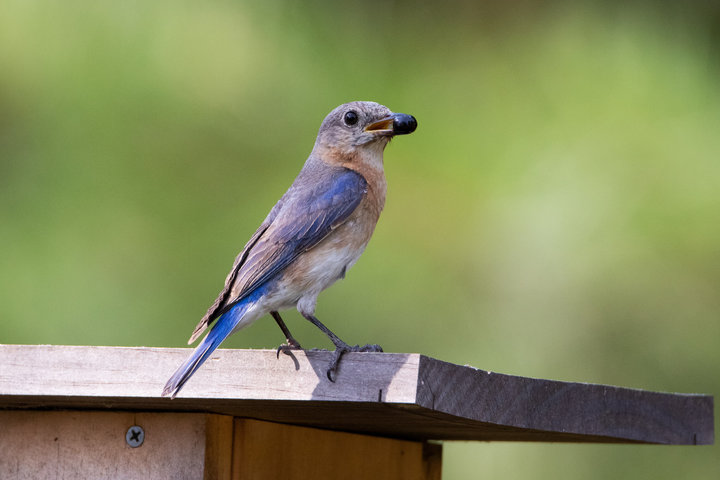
<point x="327" y="262"/>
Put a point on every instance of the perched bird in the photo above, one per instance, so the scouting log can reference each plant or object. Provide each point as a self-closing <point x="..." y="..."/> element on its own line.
<point x="311" y="237"/>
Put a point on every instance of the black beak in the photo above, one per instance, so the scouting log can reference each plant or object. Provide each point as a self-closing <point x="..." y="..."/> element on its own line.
<point x="395" y="124"/>
<point x="403" y="123"/>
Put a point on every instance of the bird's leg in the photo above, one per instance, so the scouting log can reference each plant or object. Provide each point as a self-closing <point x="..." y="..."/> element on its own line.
<point x="291" y="344"/>
<point x="340" y="347"/>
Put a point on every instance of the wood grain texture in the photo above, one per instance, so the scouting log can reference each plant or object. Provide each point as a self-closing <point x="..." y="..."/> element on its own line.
<point x="72" y="444"/>
<point x="81" y="445"/>
<point x="395" y="395"/>
<point x="432" y="460"/>
<point x="545" y="408"/>
<point x="266" y="450"/>
<point x="218" y="447"/>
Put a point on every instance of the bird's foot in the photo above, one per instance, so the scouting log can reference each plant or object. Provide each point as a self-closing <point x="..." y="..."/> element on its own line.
<point x="288" y="347"/>
<point x="343" y="348"/>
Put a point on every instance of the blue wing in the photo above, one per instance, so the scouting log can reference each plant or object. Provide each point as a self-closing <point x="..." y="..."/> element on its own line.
<point x="320" y="199"/>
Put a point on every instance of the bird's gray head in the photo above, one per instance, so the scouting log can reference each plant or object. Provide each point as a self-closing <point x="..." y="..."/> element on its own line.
<point x="358" y="125"/>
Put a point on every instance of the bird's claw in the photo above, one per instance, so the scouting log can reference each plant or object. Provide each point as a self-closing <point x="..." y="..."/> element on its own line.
<point x="340" y="350"/>
<point x="288" y="347"/>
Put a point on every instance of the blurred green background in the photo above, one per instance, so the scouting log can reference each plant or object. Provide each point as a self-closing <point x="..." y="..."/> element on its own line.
<point x="556" y="214"/>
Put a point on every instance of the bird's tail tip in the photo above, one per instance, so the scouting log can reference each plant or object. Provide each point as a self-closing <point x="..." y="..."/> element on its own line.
<point x="202" y="352"/>
<point x="170" y="391"/>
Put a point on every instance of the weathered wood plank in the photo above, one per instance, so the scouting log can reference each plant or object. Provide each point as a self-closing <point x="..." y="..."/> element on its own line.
<point x="47" y="370"/>
<point x="81" y="445"/>
<point x="565" y="407"/>
<point x="73" y="444"/>
<point x="398" y="395"/>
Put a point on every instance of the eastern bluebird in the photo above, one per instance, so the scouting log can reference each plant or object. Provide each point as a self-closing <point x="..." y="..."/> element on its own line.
<point x="310" y="238"/>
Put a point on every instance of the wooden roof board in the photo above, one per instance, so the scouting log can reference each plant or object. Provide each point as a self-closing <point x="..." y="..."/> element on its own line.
<point x="389" y="394"/>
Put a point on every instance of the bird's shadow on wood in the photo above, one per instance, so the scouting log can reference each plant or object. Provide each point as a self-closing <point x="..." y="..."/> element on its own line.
<point x="361" y="376"/>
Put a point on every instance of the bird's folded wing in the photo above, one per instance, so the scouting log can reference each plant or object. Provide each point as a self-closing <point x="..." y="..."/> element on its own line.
<point x="221" y="300"/>
<point x="303" y="217"/>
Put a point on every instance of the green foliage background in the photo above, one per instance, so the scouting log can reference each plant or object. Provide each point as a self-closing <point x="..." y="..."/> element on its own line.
<point x="556" y="214"/>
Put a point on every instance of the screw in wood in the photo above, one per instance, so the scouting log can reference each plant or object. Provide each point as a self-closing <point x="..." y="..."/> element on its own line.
<point x="135" y="436"/>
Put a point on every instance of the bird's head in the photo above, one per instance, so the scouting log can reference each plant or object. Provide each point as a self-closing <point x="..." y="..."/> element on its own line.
<point x="361" y="128"/>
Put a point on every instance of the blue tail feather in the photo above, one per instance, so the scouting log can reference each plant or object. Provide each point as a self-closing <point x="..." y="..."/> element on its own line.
<point x="219" y="332"/>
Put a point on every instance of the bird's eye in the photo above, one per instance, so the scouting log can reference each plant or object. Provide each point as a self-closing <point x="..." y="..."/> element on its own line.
<point x="350" y="118"/>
